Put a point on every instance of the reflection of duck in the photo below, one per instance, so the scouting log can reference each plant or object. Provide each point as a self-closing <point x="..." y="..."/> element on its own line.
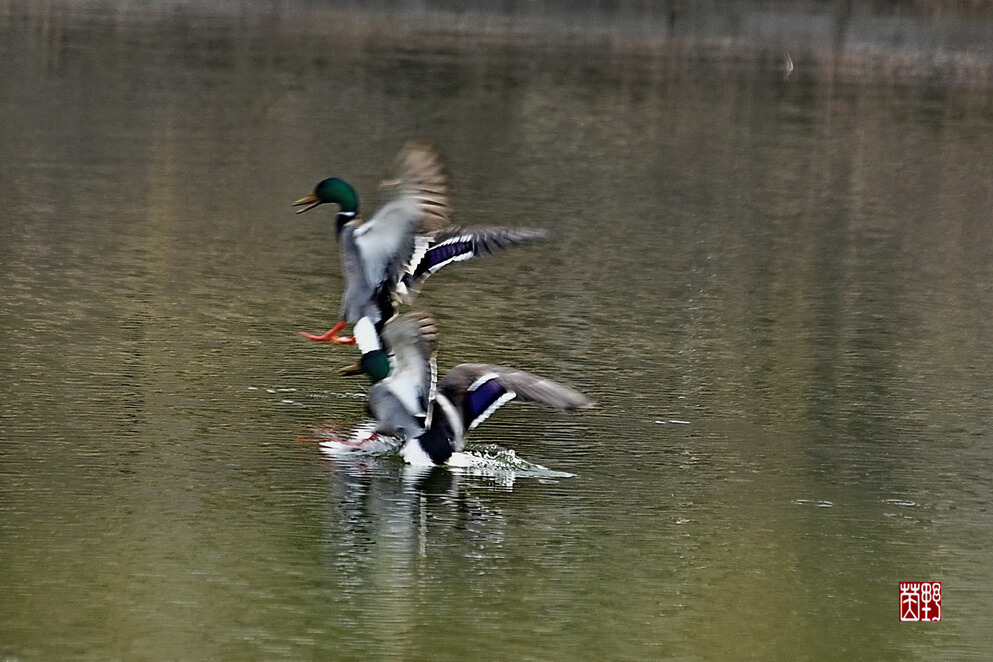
<point x="386" y="259"/>
<point x="383" y="516"/>
<point x="433" y="417"/>
<point x="388" y="530"/>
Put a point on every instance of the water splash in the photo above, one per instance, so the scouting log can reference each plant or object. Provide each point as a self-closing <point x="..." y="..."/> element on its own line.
<point x="492" y="461"/>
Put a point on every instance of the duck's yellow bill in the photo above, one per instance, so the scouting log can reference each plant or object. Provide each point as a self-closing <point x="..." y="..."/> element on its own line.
<point x="311" y="201"/>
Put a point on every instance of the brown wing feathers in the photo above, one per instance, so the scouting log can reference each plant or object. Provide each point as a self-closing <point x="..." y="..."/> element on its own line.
<point x="421" y="174"/>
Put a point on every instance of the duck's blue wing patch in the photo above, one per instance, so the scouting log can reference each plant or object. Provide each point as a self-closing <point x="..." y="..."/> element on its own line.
<point x="433" y="252"/>
<point x="453" y="249"/>
<point x="484" y="397"/>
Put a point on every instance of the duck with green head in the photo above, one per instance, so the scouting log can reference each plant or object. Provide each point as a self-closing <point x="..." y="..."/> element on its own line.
<point x="386" y="258"/>
<point x="433" y="418"/>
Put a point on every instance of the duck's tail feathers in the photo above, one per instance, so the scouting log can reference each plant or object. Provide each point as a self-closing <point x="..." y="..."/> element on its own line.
<point x="433" y="252"/>
<point x="477" y="390"/>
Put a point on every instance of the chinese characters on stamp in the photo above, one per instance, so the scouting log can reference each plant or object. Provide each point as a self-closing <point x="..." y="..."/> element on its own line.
<point x="920" y="601"/>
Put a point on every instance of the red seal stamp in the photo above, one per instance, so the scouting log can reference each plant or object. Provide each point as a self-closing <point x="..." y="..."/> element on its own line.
<point x="920" y="601"/>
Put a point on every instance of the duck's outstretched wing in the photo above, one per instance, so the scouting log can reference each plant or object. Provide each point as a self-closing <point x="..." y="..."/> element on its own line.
<point x="423" y="178"/>
<point x="413" y="339"/>
<point x="419" y="204"/>
<point x="476" y="390"/>
<point x="432" y="252"/>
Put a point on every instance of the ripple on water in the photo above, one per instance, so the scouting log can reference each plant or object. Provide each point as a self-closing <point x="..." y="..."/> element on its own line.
<point x="814" y="502"/>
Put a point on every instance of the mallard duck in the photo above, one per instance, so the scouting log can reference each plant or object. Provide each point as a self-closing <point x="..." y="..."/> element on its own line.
<point x="386" y="259"/>
<point x="433" y="417"/>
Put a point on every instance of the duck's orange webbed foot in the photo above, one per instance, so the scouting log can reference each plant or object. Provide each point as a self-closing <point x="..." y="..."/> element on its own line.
<point x="331" y="335"/>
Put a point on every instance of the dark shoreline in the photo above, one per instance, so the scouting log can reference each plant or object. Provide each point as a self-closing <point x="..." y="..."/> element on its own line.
<point x="946" y="43"/>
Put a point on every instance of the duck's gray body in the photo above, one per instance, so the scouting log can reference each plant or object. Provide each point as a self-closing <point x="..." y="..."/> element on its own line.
<point x="359" y="298"/>
<point x="433" y="419"/>
<point x="393" y="416"/>
<point x="401" y="403"/>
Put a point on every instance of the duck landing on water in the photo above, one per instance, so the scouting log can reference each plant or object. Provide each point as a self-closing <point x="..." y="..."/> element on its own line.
<point x="432" y="417"/>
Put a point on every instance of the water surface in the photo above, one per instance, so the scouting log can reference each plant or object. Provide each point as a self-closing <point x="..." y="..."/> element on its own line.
<point x="777" y="290"/>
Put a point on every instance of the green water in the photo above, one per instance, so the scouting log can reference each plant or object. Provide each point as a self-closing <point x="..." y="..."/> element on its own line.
<point x="778" y="292"/>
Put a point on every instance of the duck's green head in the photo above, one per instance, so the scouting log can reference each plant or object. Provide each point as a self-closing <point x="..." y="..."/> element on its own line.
<point x="374" y="364"/>
<point x="331" y="190"/>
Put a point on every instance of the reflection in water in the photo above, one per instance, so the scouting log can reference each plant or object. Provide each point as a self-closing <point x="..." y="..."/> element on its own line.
<point x="777" y="290"/>
<point x="384" y="526"/>
<point x="403" y="509"/>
